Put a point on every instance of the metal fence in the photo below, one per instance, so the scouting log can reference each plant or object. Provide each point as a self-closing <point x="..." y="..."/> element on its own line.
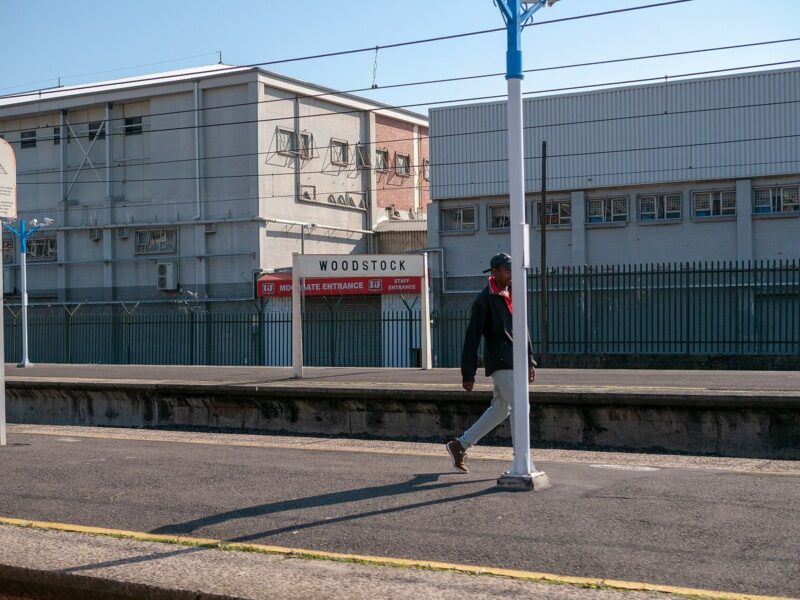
<point x="689" y="308"/>
<point x="728" y="309"/>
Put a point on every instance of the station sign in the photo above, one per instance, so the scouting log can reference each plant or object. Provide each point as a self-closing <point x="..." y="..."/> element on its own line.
<point x="365" y="265"/>
<point x="278" y="285"/>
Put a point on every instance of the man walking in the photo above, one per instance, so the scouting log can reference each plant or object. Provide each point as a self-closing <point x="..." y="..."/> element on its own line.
<point x="490" y="318"/>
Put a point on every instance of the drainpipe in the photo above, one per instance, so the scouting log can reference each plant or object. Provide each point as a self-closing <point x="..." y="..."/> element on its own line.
<point x="199" y="215"/>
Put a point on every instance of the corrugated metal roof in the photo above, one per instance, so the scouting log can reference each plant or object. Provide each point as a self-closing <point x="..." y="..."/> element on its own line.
<point x="696" y="129"/>
<point x="402" y="225"/>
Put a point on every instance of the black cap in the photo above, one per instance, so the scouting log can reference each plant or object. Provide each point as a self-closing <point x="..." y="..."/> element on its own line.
<point x="501" y="259"/>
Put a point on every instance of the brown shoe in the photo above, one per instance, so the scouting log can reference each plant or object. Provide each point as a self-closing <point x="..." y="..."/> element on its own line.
<point x="459" y="455"/>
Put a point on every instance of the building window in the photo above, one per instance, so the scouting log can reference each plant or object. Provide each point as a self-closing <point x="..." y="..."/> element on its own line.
<point x="776" y="200"/>
<point x="8" y="251"/>
<point x="426" y="169"/>
<point x="714" y="204"/>
<point x="381" y="160"/>
<point x="459" y="219"/>
<point x="660" y="207"/>
<point x="362" y="157"/>
<point x="56" y="136"/>
<point x="285" y="142"/>
<point x="133" y="126"/>
<point x="607" y="210"/>
<point x="160" y="240"/>
<point x="308" y="193"/>
<point x="555" y="213"/>
<point x="27" y="139"/>
<point x="499" y="217"/>
<point x="306" y="144"/>
<point x="42" y="248"/>
<point x="96" y="130"/>
<point x="401" y="164"/>
<point x="339" y="154"/>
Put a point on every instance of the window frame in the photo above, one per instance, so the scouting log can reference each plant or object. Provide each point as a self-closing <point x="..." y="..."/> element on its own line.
<point x="426" y="169"/>
<point x="57" y="135"/>
<point x="460" y="209"/>
<point x="398" y="169"/>
<point x="661" y="211"/>
<point x="96" y="131"/>
<point x="608" y="214"/>
<point x="382" y="165"/>
<point x="306" y="141"/>
<point x="283" y="133"/>
<point x="362" y="156"/>
<point x="157" y="247"/>
<point x="132" y="126"/>
<point x="27" y="139"/>
<point x="49" y="247"/>
<point x="9" y="251"/>
<point x="562" y="220"/>
<point x="715" y="204"/>
<point x="345" y="152"/>
<point x="777" y="201"/>
<point x="490" y="218"/>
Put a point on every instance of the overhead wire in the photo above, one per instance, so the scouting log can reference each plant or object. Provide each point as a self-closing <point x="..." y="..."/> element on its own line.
<point x="384" y="46"/>
<point x="383" y="107"/>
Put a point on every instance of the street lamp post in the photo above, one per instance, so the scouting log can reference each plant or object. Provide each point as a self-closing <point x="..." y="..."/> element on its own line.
<point x="25" y="231"/>
<point x="523" y="474"/>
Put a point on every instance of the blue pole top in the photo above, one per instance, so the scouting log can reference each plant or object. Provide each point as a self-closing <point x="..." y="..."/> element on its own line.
<point x="515" y="18"/>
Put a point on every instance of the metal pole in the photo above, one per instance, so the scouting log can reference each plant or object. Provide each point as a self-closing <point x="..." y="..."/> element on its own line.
<point x="425" y="314"/>
<point x="544" y="320"/>
<point x="297" y="319"/>
<point x="523" y="474"/>
<point x="23" y="269"/>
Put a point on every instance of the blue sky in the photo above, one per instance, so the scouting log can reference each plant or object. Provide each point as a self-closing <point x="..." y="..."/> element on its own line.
<point x="88" y="40"/>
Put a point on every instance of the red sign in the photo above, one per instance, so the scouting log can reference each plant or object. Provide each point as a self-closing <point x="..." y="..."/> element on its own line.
<point x="277" y="285"/>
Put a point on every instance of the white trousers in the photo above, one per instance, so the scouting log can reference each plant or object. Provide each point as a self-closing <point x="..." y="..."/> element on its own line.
<point x="500" y="409"/>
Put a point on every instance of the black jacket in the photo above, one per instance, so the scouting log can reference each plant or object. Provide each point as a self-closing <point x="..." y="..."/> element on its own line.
<point x="491" y="319"/>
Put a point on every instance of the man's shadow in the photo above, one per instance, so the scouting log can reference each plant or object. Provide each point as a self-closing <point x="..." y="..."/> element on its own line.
<point x="419" y="483"/>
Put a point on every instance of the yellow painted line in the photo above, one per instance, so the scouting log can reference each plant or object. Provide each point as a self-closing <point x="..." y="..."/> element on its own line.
<point x="586" y="582"/>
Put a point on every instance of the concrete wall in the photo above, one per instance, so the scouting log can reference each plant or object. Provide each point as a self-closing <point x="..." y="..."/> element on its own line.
<point x="133" y="183"/>
<point x="765" y="427"/>
<point x="403" y="192"/>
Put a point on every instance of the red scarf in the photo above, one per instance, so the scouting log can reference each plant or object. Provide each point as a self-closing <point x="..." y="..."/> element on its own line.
<point x="506" y="293"/>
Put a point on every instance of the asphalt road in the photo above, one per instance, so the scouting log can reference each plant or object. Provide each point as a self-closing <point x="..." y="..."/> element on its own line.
<point x="720" y="530"/>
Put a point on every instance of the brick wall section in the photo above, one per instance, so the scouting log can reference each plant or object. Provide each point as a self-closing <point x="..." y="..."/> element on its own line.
<point x="391" y="188"/>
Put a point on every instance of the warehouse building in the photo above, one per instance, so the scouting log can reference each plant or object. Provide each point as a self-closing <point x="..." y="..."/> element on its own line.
<point x="188" y="184"/>
<point x="674" y="172"/>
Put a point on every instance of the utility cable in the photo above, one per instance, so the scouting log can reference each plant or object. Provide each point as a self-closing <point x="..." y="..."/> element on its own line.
<point x="448" y="80"/>
<point x="380" y="47"/>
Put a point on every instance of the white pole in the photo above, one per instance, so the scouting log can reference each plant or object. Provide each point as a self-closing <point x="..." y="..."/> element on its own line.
<point x="23" y="269"/>
<point x="425" y="309"/>
<point x="297" y="319"/>
<point x="516" y="182"/>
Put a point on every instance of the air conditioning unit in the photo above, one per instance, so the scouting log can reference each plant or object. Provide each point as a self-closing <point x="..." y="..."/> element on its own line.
<point x="9" y="280"/>
<point x="166" y="276"/>
<point x="122" y="233"/>
<point x="96" y="234"/>
<point x="211" y="228"/>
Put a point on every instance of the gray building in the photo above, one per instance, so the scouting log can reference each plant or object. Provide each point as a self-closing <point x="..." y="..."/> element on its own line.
<point x="690" y="170"/>
<point x="192" y="181"/>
